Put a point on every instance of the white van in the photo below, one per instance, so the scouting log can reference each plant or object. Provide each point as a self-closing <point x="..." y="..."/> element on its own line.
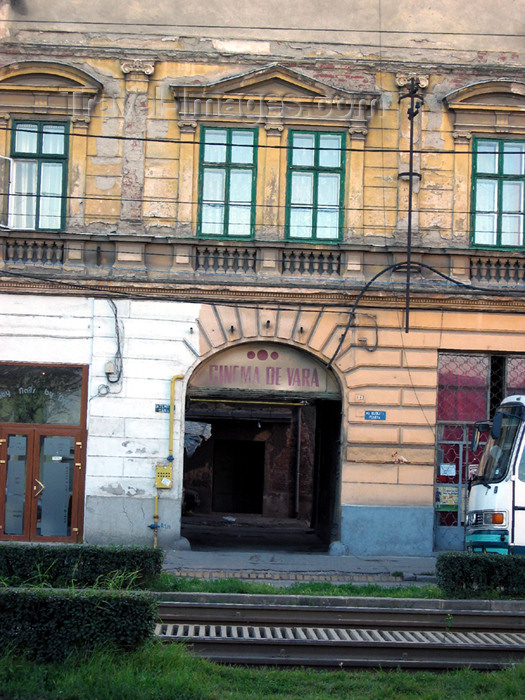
<point x="495" y="519"/>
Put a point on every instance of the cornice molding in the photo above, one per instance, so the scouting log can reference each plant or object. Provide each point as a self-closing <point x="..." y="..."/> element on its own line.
<point x="283" y="296"/>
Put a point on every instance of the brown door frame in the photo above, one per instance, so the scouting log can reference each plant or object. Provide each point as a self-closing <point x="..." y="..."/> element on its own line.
<point x="33" y="433"/>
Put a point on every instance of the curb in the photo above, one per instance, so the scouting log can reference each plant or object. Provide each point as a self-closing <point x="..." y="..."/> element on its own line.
<point x="300" y="577"/>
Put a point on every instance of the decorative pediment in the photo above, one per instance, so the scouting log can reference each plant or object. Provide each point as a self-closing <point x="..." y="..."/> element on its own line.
<point x="46" y="88"/>
<point x="271" y="80"/>
<point x="491" y="106"/>
<point x="275" y="96"/>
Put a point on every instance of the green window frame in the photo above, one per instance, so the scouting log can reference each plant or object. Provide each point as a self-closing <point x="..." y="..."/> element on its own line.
<point x="315" y="187"/>
<point x="227" y="182"/>
<point x="498" y="190"/>
<point x="37" y="194"/>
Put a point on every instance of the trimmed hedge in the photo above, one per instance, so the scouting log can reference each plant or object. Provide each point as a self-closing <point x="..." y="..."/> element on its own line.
<point x="79" y="565"/>
<point x="47" y="625"/>
<point x="467" y="575"/>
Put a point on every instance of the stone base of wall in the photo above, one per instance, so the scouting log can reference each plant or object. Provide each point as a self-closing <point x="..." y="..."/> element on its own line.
<point x="387" y="530"/>
<point x="125" y="521"/>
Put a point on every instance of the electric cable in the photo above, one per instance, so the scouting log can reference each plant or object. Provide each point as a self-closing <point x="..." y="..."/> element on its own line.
<point x="266" y="146"/>
<point x="115" y="376"/>
<point x="394" y="268"/>
<point x="338" y="30"/>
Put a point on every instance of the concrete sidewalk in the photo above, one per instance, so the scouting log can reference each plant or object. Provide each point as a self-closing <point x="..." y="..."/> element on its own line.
<point x="283" y="568"/>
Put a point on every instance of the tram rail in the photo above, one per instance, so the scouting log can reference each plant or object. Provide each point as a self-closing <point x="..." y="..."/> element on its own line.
<point x="345" y="632"/>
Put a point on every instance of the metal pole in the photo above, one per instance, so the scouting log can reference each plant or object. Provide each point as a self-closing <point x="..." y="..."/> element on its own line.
<point x="412" y="112"/>
<point x="410" y="187"/>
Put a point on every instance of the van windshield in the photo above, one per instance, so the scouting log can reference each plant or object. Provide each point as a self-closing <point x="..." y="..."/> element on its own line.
<point x="495" y="460"/>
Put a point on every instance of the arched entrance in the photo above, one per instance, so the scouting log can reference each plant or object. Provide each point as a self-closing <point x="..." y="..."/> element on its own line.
<point x="262" y="455"/>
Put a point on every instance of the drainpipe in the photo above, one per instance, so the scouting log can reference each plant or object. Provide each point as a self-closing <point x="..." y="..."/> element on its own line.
<point x="155" y="526"/>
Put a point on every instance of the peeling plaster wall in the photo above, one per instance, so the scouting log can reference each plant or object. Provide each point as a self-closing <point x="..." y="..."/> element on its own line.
<point x="349" y="28"/>
<point x="141" y="170"/>
<point x="126" y="437"/>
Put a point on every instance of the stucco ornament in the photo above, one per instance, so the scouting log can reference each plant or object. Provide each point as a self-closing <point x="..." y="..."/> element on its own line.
<point x="137" y="65"/>
<point x="402" y="79"/>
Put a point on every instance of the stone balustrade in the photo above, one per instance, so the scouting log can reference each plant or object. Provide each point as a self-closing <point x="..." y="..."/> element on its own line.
<point x="148" y="259"/>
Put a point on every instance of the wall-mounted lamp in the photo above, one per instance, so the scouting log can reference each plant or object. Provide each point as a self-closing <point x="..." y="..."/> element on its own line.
<point x="268" y="323"/>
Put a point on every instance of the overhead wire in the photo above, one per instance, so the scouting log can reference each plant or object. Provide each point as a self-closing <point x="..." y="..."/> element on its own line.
<point x="99" y="197"/>
<point x="267" y="146"/>
<point x="338" y="30"/>
<point x="340" y="285"/>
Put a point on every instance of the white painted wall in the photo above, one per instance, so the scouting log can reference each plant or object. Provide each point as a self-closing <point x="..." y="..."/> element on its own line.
<point x="126" y="437"/>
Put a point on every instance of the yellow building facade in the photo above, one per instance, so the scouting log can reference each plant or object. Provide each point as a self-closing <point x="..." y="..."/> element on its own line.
<point x="242" y="233"/>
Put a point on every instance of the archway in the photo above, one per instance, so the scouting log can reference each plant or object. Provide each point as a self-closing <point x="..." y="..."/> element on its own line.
<point x="262" y="455"/>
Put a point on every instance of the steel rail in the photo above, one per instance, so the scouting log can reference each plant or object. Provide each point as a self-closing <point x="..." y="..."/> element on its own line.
<point x="349" y="632"/>
<point x="457" y="615"/>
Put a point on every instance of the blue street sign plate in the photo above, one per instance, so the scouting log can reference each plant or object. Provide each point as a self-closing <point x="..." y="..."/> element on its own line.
<point x="375" y="415"/>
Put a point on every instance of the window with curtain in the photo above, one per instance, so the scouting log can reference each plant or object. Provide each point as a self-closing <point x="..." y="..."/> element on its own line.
<point x="227" y="182"/>
<point x="498" y="186"/>
<point x="39" y="175"/>
<point x="315" y="186"/>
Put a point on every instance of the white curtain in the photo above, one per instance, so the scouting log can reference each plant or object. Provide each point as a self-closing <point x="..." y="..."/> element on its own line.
<point x="22" y="200"/>
<point x="50" y="195"/>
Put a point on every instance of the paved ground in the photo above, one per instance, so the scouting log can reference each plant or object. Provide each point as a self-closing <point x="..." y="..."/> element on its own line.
<point x="282" y="568"/>
<point x="280" y="551"/>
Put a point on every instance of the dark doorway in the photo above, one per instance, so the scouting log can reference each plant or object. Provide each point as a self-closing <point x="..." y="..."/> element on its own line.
<point x="238" y="476"/>
<point x="327" y="470"/>
<point x="265" y="476"/>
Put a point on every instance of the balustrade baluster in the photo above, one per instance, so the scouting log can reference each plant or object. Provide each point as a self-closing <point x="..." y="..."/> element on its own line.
<point x="219" y="260"/>
<point x="207" y="260"/>
<point x="248" y="261"/>
<point x="485" y="270"/>
<point x="228" y="260"/>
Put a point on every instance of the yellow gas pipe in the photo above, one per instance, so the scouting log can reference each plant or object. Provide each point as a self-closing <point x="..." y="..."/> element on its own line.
<point x="170" y="455"/>
<point x="156" y="519"/>
<point x="172" y="410"/>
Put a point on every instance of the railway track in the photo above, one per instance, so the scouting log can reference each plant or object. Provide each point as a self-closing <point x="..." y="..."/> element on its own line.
<point x="345" y="632"/>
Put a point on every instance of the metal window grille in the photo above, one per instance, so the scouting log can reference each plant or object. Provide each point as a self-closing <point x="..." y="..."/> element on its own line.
<point x="470" y="387"/>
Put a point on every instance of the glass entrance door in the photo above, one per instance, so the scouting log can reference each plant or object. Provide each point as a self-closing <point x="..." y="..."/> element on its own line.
<point x="41" y="484"/>
<point x="14" y="461"/>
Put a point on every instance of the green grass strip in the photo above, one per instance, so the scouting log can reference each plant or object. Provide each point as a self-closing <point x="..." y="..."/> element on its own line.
<point x="168" y="672"/>
<point x="166" y="582"/>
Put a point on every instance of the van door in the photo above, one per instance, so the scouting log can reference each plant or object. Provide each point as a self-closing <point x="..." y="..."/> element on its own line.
<point x="518" y="525"/>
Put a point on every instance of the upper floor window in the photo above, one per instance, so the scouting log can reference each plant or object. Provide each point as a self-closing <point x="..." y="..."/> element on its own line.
<point x="498" y="192"/>
<point x="37" y="195"/>
<point x="227" y="182"/>
<point x="315" y="186"/>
